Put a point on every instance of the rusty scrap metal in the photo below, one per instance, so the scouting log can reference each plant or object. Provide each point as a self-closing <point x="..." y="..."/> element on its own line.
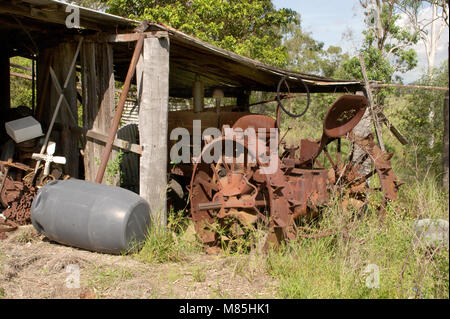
<point x="16" y="196"/>
<point x="230" y="198"/>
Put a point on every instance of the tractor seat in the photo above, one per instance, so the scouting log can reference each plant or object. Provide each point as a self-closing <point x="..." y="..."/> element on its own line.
<point x="256" y="121"/>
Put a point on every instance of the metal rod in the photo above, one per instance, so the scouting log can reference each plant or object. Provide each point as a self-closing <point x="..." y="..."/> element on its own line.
<point x="119" y="110"/>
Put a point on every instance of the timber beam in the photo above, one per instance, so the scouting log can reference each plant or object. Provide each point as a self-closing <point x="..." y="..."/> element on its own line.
<point x="124" y="37"/>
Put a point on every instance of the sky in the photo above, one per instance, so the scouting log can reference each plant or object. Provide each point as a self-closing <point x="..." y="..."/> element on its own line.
<point x="328" y="20"/>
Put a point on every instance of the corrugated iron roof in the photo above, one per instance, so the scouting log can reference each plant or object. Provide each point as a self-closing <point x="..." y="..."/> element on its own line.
<point x="189" y="56"/>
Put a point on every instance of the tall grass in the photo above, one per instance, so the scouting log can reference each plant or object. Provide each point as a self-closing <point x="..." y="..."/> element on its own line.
<point x="343" y="266"/>
<point x="168" y="244"/>
<point x="348" y="264"/>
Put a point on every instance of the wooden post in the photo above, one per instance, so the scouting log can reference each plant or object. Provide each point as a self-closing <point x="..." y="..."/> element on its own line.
<point x="43" y="79"/>
<point x="153" y="93"/>
<point x="243" y="101"/>
<point x="5" y="94"/>
<point x="368" y="92"/>
<point x="98" y="103"/>
<point x="67" y="143"/>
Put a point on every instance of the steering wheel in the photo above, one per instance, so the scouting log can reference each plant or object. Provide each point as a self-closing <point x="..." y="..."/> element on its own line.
<point x="283" y="79"/>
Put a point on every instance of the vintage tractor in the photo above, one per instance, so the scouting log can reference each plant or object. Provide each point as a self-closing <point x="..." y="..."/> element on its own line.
<point x="238" y="192"/>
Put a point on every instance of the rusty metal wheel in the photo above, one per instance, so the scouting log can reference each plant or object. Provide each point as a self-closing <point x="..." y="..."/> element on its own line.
<point x="228" y="202"/>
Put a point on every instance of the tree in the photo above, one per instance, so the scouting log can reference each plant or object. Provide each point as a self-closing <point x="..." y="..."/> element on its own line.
<point x="386" y="44"/>
<point x="428" y="28"/>
<point x="252" y="28"/>
<point x="417" y="124"/>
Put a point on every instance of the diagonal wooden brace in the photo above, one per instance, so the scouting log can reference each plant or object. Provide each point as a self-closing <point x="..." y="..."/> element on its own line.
<point x="58" y="105"/>
<point x="59" y="90"/>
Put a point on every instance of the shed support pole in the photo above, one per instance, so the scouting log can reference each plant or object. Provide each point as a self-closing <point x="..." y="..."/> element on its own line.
<point x="243" y="101"/>
<point x="153" y="94"/>
<point x="5" y="88"/>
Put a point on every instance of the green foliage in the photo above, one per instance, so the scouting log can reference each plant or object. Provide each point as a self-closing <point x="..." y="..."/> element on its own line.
<point x="20" y="88"/>
<point x="199" y="273"/>
<point x="161" y="246"/>
<point x="113" y="169"/>
<point x="386" y="47"/>
<point x="167" y="244"/>
<point x="423" y="123"/>
<point x="252" y="28"/>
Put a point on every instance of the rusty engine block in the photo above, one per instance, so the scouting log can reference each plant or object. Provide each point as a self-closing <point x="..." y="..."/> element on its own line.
<point x="229" y="198"/>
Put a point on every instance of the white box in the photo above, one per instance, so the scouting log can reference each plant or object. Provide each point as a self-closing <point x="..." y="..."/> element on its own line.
<point x="23" y="129"/>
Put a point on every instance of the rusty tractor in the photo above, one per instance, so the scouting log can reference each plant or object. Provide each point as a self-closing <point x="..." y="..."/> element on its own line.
<point x="235" y="196"/>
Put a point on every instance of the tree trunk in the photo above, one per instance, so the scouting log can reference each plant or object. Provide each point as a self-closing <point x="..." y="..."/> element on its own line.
<point x="445" y="153"/>
<point x="363" y="128"/>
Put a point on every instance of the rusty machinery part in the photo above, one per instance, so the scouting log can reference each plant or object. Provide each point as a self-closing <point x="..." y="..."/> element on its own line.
<point x="233" y="196"/>
<point x="308" y="97"/>
<point x="230" y="198"/>
<point x="226" y="196"/>
<point x="343" y="115"/>
<point x="345" y="175"/>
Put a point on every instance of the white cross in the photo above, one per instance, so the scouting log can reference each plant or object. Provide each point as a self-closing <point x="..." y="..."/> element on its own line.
<point x="49" y="158"/>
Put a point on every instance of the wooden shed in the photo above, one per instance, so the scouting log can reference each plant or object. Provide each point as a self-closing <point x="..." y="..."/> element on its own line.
<point x="101" y="46"/>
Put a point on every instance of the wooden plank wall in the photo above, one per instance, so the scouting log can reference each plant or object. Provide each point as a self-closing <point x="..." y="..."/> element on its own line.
<point x="60" y="58"/>
<point x="98" y="103"/>
<point x="4" y="80"/>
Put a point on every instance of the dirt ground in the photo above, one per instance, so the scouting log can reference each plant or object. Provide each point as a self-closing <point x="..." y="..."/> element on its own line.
<point x="31" y="266"/>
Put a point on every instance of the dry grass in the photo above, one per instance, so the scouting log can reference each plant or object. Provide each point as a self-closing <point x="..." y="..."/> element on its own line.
<point x="38" y="269"/>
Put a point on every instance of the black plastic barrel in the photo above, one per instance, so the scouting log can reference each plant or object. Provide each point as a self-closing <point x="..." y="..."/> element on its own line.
<point x="91" y="216"/>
